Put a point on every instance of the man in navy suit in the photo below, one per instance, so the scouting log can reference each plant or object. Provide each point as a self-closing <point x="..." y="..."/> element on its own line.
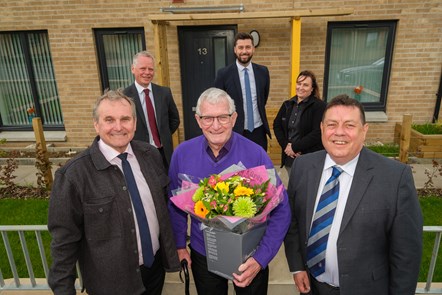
<point x="372" y="241"/>
<point x="232" y="79"/>
<point x="165" y="111"/>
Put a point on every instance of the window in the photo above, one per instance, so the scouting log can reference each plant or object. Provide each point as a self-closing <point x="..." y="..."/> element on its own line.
<point x="115" y="48"/>
<point x="27" y="82"/>
<point x="358" y="61"/>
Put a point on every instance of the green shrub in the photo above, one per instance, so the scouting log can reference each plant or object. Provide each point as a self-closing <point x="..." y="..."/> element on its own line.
<point x="2" y="152"/>
<point x="388" y="150"/>
<point x="428" y="128"/>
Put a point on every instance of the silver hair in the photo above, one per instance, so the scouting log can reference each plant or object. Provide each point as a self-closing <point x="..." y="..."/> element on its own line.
<point x="215" y="95"/>
<point x="144" y="53"/>
<point x="113" y="95"/>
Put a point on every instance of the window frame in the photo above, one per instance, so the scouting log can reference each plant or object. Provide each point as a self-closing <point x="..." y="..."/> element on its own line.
<point x="24" y="43"/>
<point x="101" y="58"/>
<point x="391" y="25"/>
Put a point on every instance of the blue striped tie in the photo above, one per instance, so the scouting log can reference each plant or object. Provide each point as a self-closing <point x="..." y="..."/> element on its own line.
<point x="322" y="221"/>
<point x="143" y="225"/>
<point x="249" y="102"/>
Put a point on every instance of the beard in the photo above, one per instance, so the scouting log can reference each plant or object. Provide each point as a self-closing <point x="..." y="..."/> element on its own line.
<point x="244" y="59"/>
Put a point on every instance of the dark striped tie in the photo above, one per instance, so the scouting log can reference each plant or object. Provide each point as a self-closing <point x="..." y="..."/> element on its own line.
<point x="322" y="221"/>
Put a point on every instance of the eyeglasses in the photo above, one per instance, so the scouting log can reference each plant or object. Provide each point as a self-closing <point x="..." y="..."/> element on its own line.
<point x="208" y="120"/>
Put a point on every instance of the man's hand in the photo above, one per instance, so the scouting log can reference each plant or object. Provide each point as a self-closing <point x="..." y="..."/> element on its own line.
<point x="184" y="254"/>
<point x="289" y="151"/>
<point x="249" y="270"/>
<point x="302" y="281"/>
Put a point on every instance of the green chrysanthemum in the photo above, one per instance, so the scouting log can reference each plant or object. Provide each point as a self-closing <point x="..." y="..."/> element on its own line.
<point x="244" y="207"/>
<point x="198" y="195"/>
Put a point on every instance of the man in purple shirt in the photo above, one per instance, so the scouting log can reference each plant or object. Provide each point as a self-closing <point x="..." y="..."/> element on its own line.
<point x="211" y="153"/>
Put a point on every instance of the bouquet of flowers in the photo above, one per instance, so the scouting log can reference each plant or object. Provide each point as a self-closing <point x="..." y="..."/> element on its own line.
<point x="236" y="200"/>
<point x="233" y="196"/>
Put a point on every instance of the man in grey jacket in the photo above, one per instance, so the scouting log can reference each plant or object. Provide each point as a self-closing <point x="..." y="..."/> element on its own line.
<point x="94" y="218"/>
<point x="356" y="221"/>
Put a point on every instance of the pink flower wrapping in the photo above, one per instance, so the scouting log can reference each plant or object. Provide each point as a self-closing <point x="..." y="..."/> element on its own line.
<point x="258" y="175"/>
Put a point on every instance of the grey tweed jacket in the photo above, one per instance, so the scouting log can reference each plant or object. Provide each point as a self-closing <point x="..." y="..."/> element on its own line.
<point x="90" y="220"/>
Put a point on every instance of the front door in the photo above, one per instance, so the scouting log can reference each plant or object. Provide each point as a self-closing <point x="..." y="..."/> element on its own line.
<point x="203" y="51"/>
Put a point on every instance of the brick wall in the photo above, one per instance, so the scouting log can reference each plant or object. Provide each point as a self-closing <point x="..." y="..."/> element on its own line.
<point x="414" y="78"/>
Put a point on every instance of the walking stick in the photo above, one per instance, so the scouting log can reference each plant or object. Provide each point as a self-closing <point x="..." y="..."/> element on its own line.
<point x="185" y="269"/>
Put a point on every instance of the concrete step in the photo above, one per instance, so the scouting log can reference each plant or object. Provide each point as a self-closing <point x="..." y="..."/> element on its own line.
<point x="178" y="288"/>
<point x="280" y="281"/>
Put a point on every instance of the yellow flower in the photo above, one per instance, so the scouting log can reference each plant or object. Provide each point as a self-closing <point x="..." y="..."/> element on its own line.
<point x="232" y="196"/>
<point x="242" y="191"/>
<point x="200" y="209"/>
<point x="223" y="187"/>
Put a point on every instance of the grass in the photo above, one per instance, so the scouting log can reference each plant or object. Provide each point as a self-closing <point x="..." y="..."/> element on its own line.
<point x="31" y="211"/>
<point x="431" y="208"/>
<point x="428" y="128"/>
<point x="24" y="212"/>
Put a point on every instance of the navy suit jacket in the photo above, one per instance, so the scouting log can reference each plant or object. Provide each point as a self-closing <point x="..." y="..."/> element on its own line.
<point x="166" y="114"/>
<point x="379" y="246"/>
<point x="228" y="79"/>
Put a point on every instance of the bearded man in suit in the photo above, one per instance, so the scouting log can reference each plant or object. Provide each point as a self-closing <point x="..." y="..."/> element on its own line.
<point x="252" y="119"/>
<point x="368" y="238"/>
<point x="158" y="127"/>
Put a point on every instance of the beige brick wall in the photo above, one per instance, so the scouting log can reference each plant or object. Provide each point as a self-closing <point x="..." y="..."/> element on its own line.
<point x="414" y="78"/>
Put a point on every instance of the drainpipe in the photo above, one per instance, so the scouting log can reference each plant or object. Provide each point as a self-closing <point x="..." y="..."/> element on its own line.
<point x="438" y="99"/>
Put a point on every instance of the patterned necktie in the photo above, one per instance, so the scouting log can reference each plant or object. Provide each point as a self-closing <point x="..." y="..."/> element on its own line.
<point x="151" y="118"/>
<point x="249" y="102"/>
<point x="143" y="225"/>
<point x="322" y="222"/>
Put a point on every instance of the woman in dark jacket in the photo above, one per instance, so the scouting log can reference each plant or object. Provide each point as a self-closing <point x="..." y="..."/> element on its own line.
<point x="297" y="124"/>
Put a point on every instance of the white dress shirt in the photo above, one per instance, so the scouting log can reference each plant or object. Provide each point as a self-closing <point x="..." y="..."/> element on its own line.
<point x="331" y="274"/>
<point x="146" y="196"/>
<point x="142" y="96"/>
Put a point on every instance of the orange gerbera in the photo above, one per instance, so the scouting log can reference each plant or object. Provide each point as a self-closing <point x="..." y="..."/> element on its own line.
<point x="200" y="209"/>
